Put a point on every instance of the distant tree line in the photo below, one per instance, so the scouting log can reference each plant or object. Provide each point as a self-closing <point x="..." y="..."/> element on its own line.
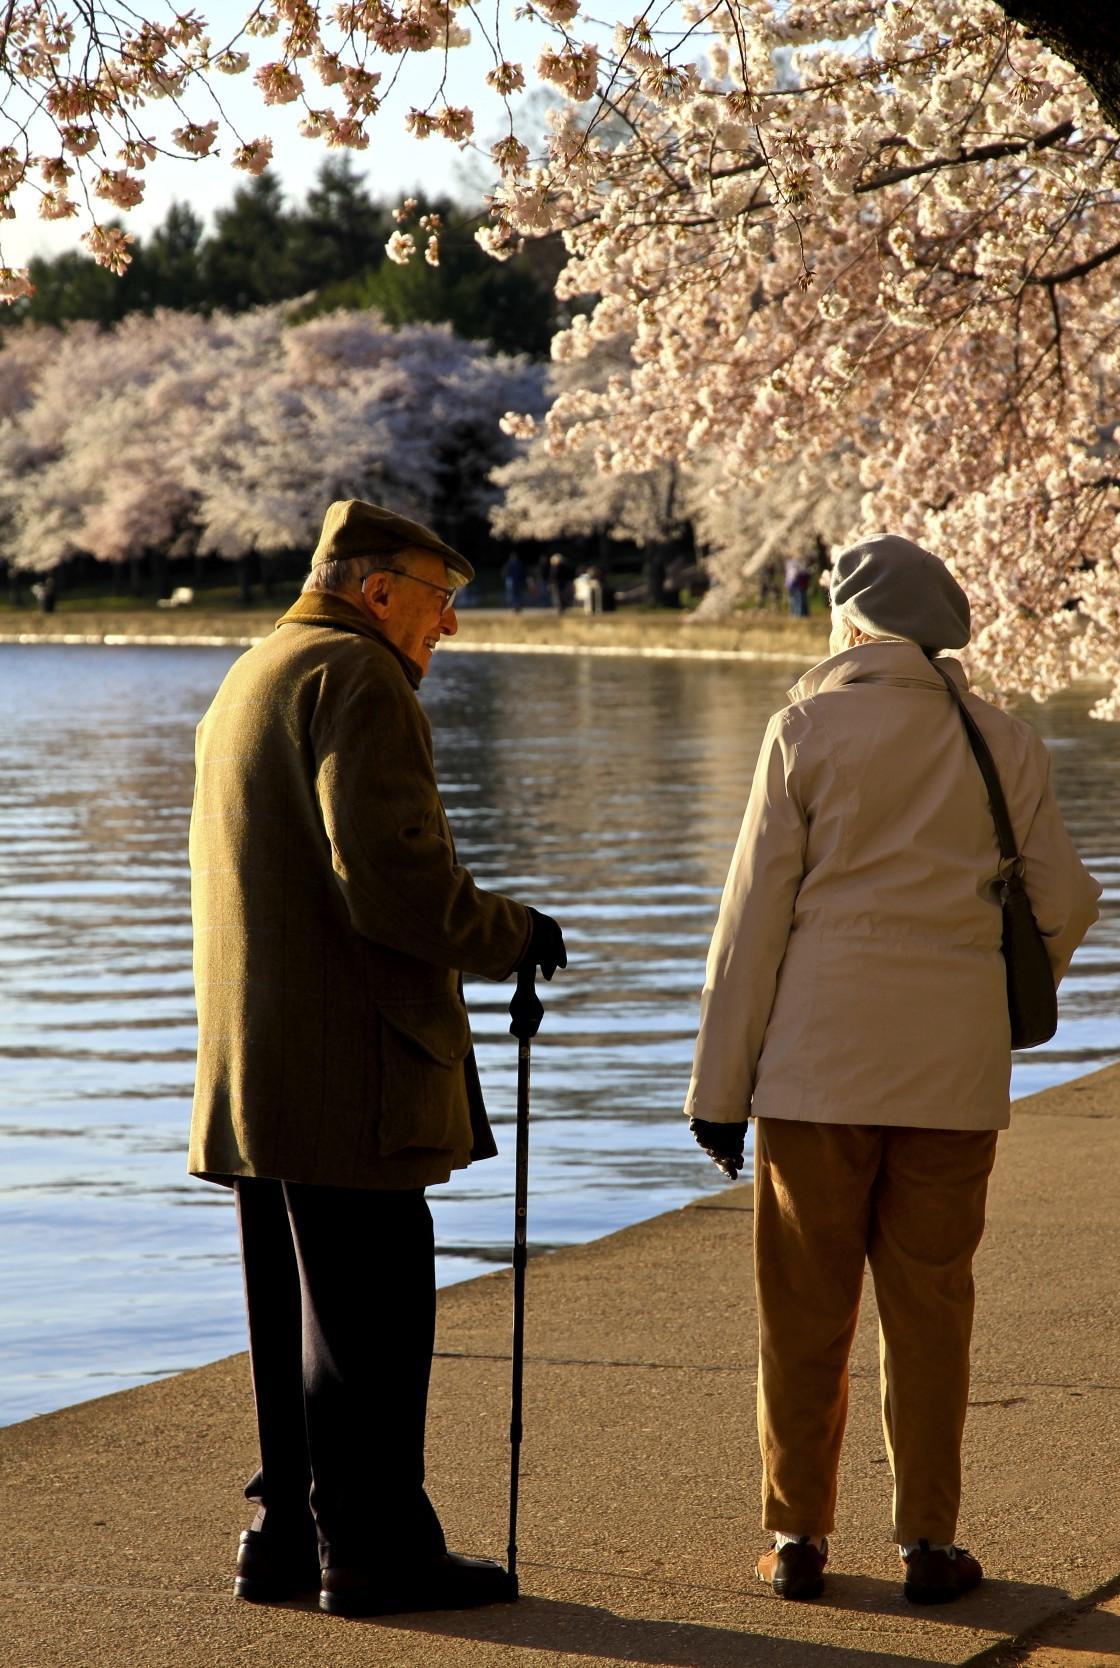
<point x="330" y="249"/>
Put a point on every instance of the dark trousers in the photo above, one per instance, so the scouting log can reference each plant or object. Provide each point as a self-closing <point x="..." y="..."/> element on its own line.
<point x="341" y="1298"/>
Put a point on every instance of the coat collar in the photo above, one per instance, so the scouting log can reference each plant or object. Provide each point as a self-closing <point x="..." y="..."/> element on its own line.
<point x="337" y="613"/>
<point x="889" y="662"/>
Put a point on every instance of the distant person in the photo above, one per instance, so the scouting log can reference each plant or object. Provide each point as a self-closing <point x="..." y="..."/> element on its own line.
<point x="44" y="593"/>
<point x="655" y="579"/>
<point x="769" y="585"/>
<point x="855" y="1005"/>
<point x="797" y="580"/>
<point x="513" y="577"/>
<point x="336" y="1077"/>
<point x="675" y="571"/>
<point x="559" y="578"/>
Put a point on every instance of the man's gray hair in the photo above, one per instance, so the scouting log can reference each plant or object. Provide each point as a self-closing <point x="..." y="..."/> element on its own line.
<point x="350" y="570"/>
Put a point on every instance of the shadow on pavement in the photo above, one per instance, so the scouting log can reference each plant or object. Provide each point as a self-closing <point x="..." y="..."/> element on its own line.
<point x="562" y="1629"/>
<point x="995" y="1606"/>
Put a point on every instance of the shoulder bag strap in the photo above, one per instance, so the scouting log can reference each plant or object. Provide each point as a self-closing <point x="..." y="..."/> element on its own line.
<point x="1004" y="832"/>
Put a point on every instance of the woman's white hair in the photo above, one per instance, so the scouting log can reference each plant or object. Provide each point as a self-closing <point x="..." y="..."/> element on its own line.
<point x="844" y="625"/>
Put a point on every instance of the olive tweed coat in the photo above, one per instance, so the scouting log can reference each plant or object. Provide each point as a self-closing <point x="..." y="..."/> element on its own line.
<point x="332" y="921"/>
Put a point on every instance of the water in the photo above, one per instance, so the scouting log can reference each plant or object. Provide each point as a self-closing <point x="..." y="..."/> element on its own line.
<point x="606" y="791"/>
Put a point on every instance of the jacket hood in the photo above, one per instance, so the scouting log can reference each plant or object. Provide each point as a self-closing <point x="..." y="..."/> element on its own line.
<point x="327" y="608"/>
<point x="892" y="663"/>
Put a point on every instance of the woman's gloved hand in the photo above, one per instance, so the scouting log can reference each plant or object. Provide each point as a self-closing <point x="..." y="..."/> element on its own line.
<point x="723" y="1144"/>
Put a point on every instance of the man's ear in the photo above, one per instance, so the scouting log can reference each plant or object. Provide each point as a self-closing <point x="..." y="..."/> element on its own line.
<point x="376" y="592"/>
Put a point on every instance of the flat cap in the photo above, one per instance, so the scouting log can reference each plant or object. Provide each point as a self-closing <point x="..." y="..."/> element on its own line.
<point x="351" y="527"/>
<point x="889" y="586"/>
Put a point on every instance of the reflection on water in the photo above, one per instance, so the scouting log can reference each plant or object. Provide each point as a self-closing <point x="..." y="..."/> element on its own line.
<point x="606" y="791"/>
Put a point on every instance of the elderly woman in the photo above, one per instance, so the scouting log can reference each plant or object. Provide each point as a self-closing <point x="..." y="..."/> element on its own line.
<point x="855" y="1005"/>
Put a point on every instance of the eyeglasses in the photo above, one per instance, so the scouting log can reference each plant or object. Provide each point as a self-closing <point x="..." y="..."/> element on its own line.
<point x="445" y="591"/>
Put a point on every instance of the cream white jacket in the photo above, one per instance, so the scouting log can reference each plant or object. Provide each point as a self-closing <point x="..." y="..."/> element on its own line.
<point x="855" y="973"/>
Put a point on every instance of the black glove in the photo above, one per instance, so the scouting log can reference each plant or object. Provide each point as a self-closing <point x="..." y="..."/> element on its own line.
<point x="525" y="1010"/>
<point x="546" y="945"/>
<point x="723" y="1144"/>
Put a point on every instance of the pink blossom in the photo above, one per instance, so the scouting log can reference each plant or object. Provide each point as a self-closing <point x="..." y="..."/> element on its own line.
<point x="254" y="157"/>
<point x="510" y="154"/>
<point x="573" y="70"/>
<point x="14" y="284"/>
<point x="401" y="247"/>
<point x="79" y="139"/>
<point x="195" y="138"/>
<point x="279" y="83"/>
<point x="109" y="247"/>
<point x="119" y="187"/>
<point x="56" y="205"/>
<point x="506" y="78"/>
<point x="347" y="132"/>
<point x="455" y="123"/>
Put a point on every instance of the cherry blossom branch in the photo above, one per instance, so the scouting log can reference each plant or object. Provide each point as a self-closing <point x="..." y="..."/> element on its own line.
<point x="982" y="153"/>
<point x="1081" y="270"/>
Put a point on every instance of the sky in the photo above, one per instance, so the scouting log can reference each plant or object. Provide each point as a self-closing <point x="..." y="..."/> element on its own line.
<point x="393" y="166"/>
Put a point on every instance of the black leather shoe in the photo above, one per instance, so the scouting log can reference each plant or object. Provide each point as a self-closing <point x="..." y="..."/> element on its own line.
<point x="934" y="1576"/>
<point x="270" y="1569"/>
<point x="447" y="1582"/>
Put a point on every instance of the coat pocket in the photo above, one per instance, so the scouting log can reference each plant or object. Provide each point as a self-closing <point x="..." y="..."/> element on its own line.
<point x="423" y="1088"/>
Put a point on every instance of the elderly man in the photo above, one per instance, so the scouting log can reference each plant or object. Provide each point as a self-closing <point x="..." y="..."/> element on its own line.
<point x="336" y="1078"/>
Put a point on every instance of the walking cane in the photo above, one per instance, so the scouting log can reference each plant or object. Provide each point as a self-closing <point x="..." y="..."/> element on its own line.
<point x="526" y="1014"/>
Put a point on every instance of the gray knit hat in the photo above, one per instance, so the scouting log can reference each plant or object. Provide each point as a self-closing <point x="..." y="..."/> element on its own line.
<point x="351" y="527"/>
<point x="886" y="585"/>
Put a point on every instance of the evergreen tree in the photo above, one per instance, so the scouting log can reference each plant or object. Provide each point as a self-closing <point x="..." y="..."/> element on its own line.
<point x="171" y="259"/>
<point x="509" y="304"/>
<point x="246" y="262"/>
<point x="340" y="231"/>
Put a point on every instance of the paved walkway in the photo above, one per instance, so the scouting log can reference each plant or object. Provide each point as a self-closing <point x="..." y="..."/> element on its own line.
<point x="640" y="1475"/>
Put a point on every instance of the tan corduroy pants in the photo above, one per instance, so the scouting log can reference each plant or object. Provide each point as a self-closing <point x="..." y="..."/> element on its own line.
<point x="911" y="1202"/>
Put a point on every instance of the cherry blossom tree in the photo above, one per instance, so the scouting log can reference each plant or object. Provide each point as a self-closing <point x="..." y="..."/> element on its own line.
<point x="744" y="531"/>
<point x="900" y="247"/>
<point x="547" y="493"/>
<point x="238" y="431"/>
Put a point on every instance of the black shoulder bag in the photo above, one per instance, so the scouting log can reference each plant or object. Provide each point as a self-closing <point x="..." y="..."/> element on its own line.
<point x="1032" y="1001"/>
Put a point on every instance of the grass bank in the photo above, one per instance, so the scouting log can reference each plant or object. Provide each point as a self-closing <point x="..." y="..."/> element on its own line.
<point x="752" y="634"/>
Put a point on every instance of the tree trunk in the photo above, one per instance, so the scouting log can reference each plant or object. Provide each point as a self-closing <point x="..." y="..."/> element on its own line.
<point x="245" y="580"/>
<point x="1083" y="32"/>
<point x="158" y="563"/>
<point x="136" y="576"/>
